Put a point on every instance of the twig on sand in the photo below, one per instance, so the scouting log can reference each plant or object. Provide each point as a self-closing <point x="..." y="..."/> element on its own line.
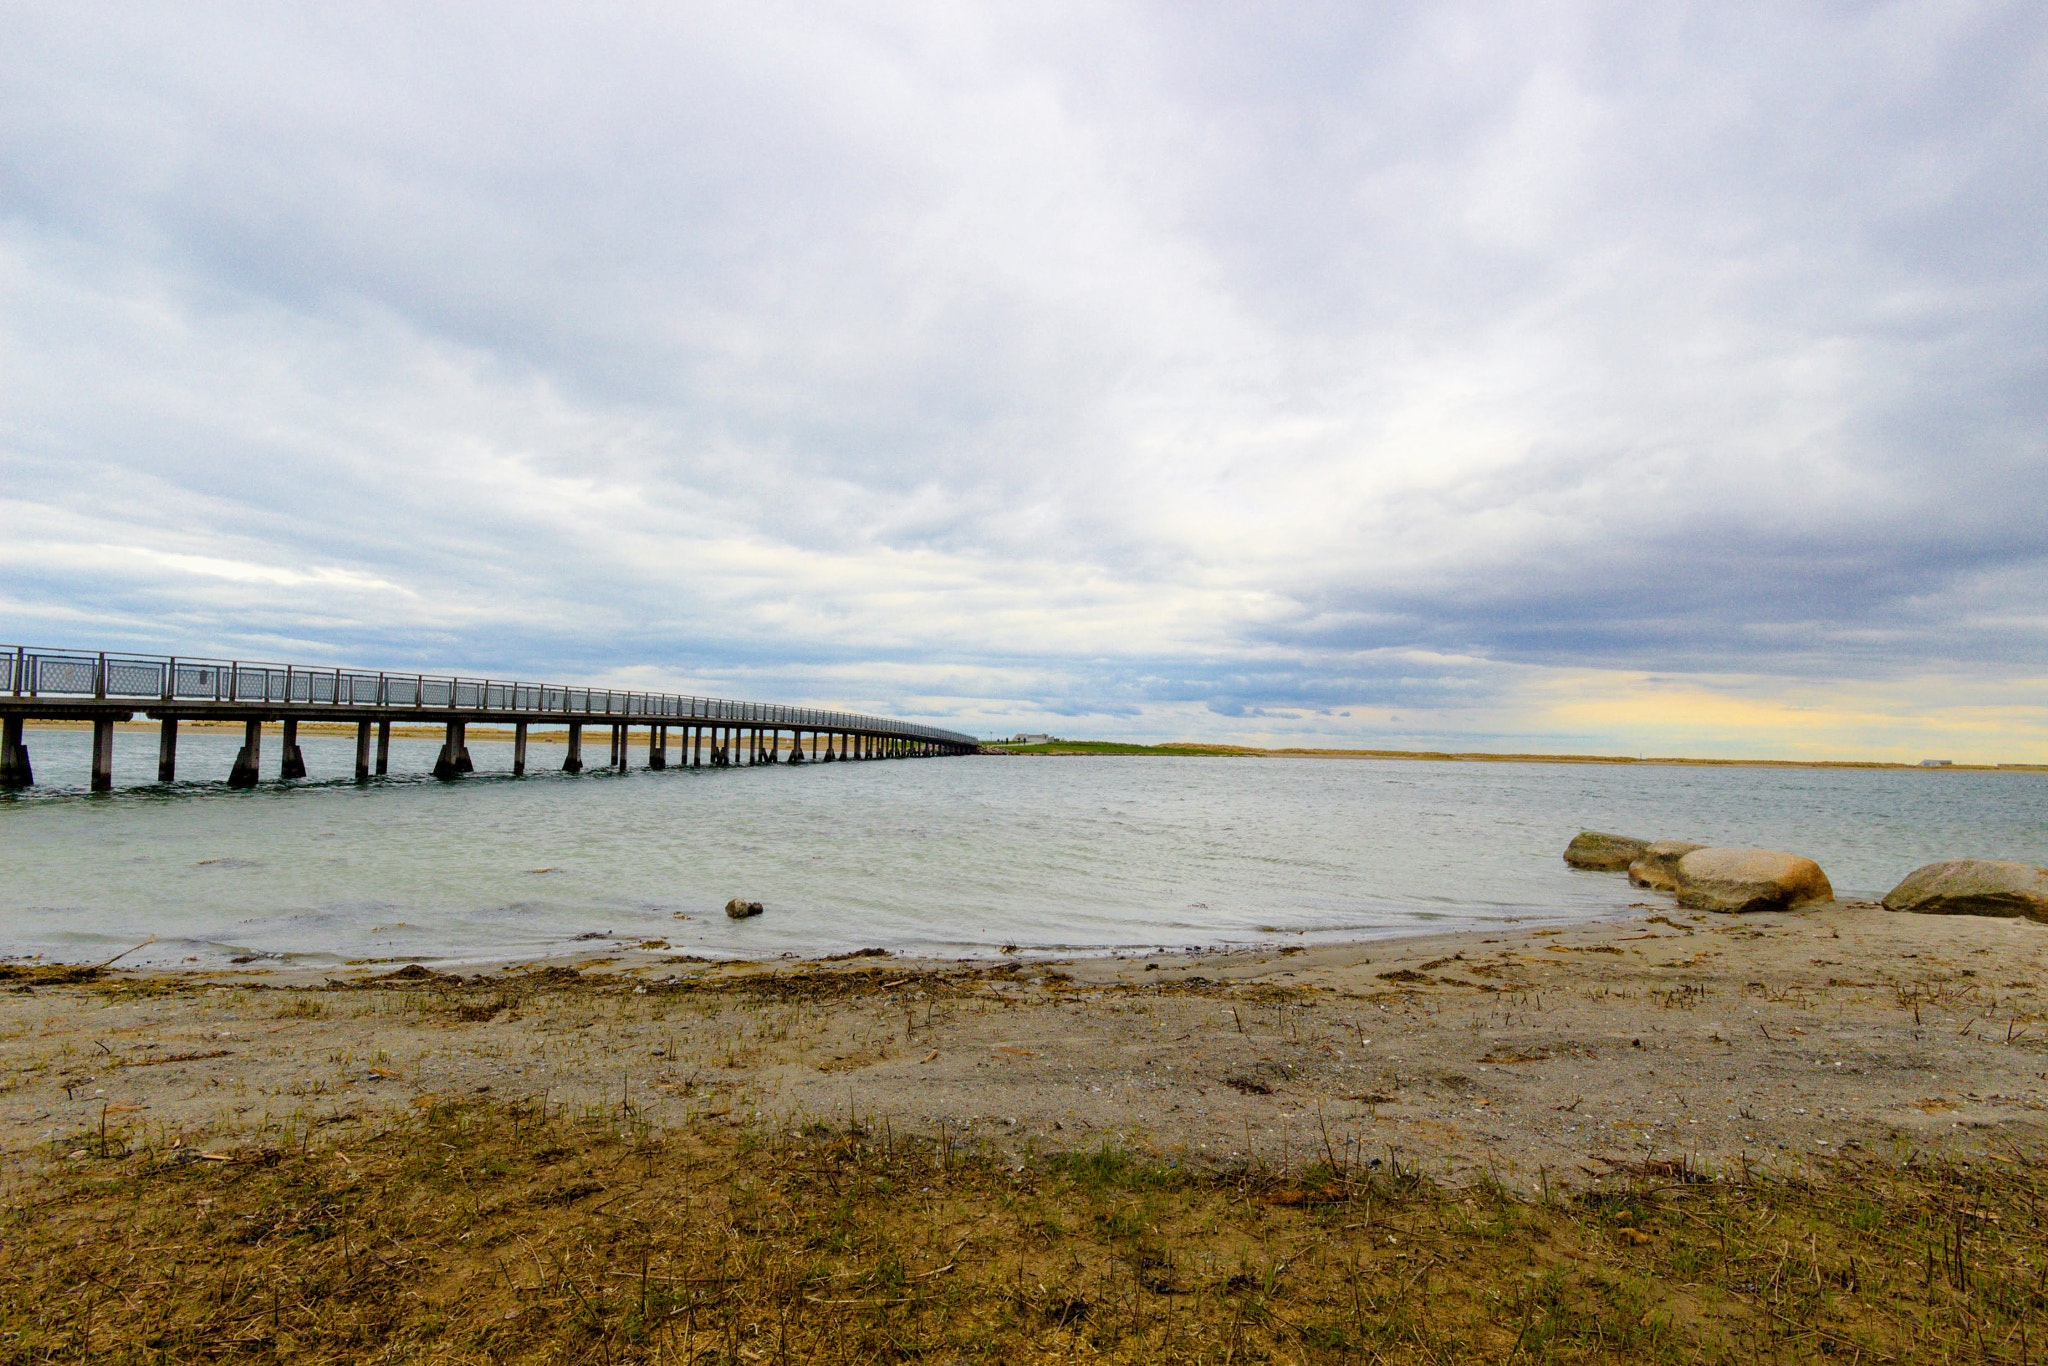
<point x="124" y="953"/>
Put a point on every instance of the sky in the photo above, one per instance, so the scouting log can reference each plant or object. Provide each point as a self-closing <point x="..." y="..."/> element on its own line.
<point x="1630" y="378"/>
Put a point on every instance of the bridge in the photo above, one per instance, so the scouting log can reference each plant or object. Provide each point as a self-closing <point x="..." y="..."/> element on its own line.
<point x="108" y="688"/>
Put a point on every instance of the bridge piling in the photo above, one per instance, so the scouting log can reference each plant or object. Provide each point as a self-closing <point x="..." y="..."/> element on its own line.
<point x="453" y="760"/>
<point x="657" y="747"/>
<point x="167" y="750"/>
<point x="244" y="773"/>
<point x="15" y="769"/>
<point x="103" y="754"/>
<point x="362" y="751"/>
<point x="574" y="763"/>
<point x="519" y="749"/>
<point x="293" y="763"/>
<point x="383" y="748"/>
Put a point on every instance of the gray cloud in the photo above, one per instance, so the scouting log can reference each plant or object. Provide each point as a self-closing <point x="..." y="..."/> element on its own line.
<point x="1148" y="363"/>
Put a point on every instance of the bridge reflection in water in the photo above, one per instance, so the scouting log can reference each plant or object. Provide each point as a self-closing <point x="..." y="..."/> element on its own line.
<point x="104" y="688"/>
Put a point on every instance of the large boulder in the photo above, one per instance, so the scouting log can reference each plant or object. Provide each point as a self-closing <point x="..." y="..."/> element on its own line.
<point x="1973" y="886"/>
<point x="1749" y="880"/>
<point x="1603" y="853"/>
<point x="1657" y="866"/>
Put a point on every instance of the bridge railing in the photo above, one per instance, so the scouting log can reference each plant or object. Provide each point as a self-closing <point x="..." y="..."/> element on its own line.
<point x="27" y="671"/>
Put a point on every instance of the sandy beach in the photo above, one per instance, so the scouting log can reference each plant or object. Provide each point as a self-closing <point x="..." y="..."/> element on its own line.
<point x="1534" y="1056"/>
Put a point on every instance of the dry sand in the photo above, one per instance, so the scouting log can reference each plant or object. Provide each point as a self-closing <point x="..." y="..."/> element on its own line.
<point x="1532" y="1054"/>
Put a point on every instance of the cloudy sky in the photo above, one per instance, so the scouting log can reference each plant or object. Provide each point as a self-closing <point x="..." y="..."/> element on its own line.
<point x="1597" y="378"/>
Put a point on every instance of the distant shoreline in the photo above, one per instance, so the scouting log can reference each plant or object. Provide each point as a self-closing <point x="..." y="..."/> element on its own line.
<point x="1082" y="748"/>
<point x="1071" y="748"/>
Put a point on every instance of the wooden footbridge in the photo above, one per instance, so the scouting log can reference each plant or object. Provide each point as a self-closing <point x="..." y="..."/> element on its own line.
<point x="104" y="689"/>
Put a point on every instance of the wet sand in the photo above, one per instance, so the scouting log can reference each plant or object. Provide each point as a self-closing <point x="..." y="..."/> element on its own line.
<point x="1537" y="1056"/>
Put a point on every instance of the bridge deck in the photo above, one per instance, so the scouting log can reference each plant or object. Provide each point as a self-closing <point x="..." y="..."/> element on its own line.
<point x="105" y="688"/>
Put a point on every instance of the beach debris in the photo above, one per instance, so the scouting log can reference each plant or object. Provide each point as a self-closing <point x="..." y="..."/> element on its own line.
<point x="740" y="910"/>
<point x="1657" y="866"/>
<point x="1973" y="886"/>
<point x="1741" y="880"/>
<point x="414" y="972"/>
<point x="1602" y="852"/>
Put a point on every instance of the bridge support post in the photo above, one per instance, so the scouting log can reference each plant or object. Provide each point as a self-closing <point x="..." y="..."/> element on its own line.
<point x="574" y="763"/>
<point x="244" y="773"/>
<point x="383" y="748"/>
<point x="454" y="757"/>
<point x="796" y="746"/>
<point x="657" y="746"/>
<point x="519" y="749"/>
<point x="103" y="754"/>
<point x="167" y="750"/>
<point x="362" y="751"/>
<point x="293" y="763"/>
<point x="693" y="747"/>
<point x="15" y="770"/>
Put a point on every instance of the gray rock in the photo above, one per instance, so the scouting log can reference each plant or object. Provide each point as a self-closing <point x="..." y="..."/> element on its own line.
<point x="1604" y="853"/>
<point x="1657" y="866"/>
<point x="1973" y="886"/>
<point x="740" y="910"/>
<point x="1749" y="880"/>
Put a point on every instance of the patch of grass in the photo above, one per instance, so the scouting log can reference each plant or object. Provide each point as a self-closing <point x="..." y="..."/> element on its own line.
<point x="1110" y="1168"/>
<point x="496" y="1233"/>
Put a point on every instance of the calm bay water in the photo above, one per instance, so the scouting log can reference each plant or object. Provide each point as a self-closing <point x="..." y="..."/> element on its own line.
<point x="952" y="857"/>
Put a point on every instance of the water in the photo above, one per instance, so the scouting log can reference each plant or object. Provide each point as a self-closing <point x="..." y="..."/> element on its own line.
<point x="952" y="857"/>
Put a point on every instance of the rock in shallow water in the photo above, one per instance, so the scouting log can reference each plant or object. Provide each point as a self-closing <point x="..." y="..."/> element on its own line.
<point x="1973" y="886"/>
<point x="740" y="910"/>
<point x="1749" y="880"/>
<point x="1603" y="853"/>
<point x="1657" y="866"/>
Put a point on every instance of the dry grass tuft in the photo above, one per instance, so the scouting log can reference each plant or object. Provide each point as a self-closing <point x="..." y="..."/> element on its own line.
<point x="501" y="1234"/>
